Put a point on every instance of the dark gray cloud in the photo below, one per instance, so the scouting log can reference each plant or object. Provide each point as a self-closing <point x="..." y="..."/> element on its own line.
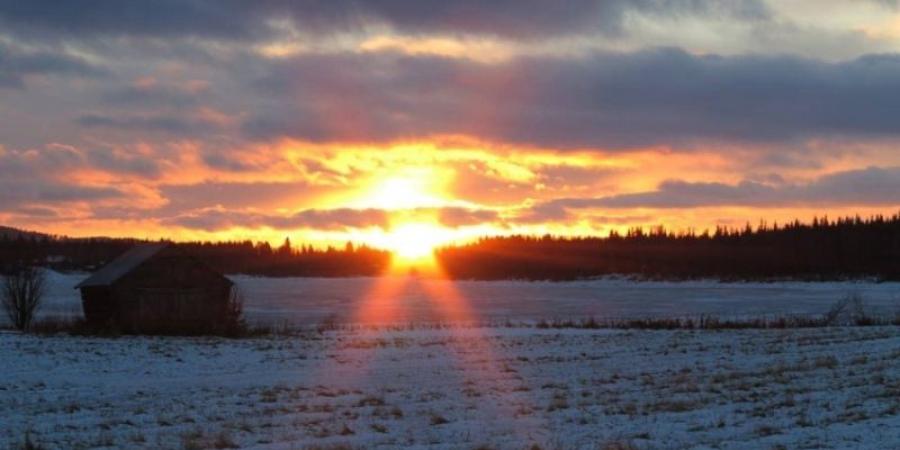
<point x="549" y="211"/>
<point x="321" y="219"/>
<point x="559" y="176"/>
<point x="53" y="192"/>
<point x="873" y="186"/>
<point x="16" y="64"/>
<point x="613" y="100"/>
<point x="243" y="20"/>
<point x="15" y="164"/>
<point x="221" y="160"/>
<point x="334" y="219"/>
<point x="57" y="160"/>
<point x="38" y="177"/>
<point x="18" y="193"/>
<point x="171" y="123"/>
<point x="155" y="95"/>
<point x="36" y="212"/>
<point x="558" y="211"/>
<point x="234" y="196"/>
<point x="655" y="97"/>
<point x="455" y="217"/>
<point x="123" y="162"/>
<point x="338" y="219"/>
<point x="163" y="18"/>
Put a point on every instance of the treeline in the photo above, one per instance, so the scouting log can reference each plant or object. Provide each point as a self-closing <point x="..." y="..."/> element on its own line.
<point x="303" y="261"/>
<point x="260" y="258"/>
<point x="825" y="249"/>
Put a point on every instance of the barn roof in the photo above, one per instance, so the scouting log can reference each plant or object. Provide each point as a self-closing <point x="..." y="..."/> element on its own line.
<point x="120" y="266"/>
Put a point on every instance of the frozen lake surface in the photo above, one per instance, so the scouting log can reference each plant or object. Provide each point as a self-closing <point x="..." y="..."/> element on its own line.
<point x="408" y="299"/>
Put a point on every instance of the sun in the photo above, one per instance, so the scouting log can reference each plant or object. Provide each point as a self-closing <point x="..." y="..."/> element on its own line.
<point x="414" y="243"/>
<point x="412" y="198"/>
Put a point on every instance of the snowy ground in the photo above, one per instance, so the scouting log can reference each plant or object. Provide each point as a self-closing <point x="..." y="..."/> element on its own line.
<point x="311" y="300"/>
<point x="458" y="388"/>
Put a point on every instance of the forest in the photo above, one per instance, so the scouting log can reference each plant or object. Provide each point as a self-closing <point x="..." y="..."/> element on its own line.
<point x="844" y="248"/>
<point x="246" y="257"/>
<point x="824" y="249"/>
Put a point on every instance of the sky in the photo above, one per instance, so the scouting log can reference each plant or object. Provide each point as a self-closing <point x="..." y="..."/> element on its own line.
<point x="429" y="122"/>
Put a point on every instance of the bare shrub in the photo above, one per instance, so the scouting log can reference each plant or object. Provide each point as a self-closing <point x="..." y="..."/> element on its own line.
<point x="826" y="362"/>
<point x="336" y="446"/>
<point x="850" y="309"/>
<point x="233" y="323"/>
<point x="437" y="419"/>
<point x="28" y="444"/>
<point x="329" y="323"/>
<point x="224" y="440"/>
<point x="858" y="309"/>
<point x="619" y="445"/>
<point x="834" y="313"/>
<point x="21" y="294"/>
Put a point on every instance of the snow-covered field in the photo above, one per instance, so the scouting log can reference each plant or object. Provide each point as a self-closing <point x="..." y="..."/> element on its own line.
<point x="463" y="386"/>
<point x="458" y="388"/>
<point x="311" y="300"/>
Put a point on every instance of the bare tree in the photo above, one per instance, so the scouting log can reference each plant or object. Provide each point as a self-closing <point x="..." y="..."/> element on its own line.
<point x="234" y="313"/>
<point x="21" y="295"/>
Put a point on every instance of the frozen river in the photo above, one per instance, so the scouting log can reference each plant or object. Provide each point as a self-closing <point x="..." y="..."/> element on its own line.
<point x="410" y="299"/>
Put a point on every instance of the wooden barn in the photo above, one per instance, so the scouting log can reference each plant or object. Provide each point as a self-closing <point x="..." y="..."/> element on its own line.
<point x="157" y="287"/>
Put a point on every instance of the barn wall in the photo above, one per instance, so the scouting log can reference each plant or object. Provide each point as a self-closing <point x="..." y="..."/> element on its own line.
<point x="98" y="305"/>
<point x="171" y="290"/>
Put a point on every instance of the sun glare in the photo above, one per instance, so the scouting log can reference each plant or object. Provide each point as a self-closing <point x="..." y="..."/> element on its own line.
<point x="412" y="198"/>
<point x="403" y="192"/>
<point x="415" y="242"/>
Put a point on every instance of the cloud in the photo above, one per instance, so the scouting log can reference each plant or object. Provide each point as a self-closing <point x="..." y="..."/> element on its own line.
<point x="240" y="20"/>
<point x="121" y="162"/>
<point x="52" y="159"/>
<point x="165" y="18"/>
<point x="32" y="179"/>
<point x="171" y="123"/>
<point x="605" y="100"/>
<point x="221" y="161"/>
<point x="16" y="64"/>
<point x="235" y="195"/>
<point x="36" y="212"/>
<point x="558" y="176"/>
<point x="549" y="211"/>
<point x="148" y="92"/>
<point x="216" y="219"/>
<point x="338" y="219"/>
<point x="153" y="93"/>
<point x="454" y="217"/>
<point x="18" y="193"/>
<point x="872" y="186"/>
<point x="60" y="160"/>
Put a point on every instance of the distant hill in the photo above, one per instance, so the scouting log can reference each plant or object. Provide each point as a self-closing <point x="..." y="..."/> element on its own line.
<point x="15" y="233"/>
<point x="63" y="254"/>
